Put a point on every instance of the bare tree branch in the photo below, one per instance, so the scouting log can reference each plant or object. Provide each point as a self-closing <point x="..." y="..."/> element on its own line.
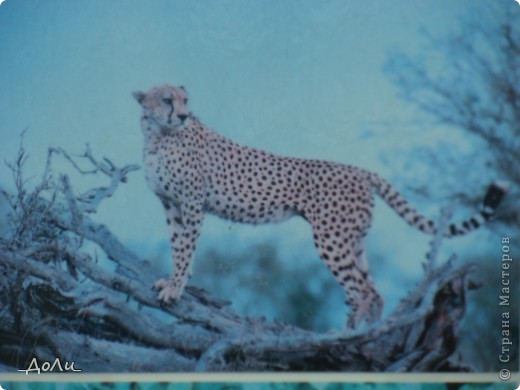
<point x="101" y="313"/>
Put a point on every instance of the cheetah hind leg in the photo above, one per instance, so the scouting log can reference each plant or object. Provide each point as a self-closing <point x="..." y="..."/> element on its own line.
<point x="364" y="307"/>
<point x="367" y="304"/>
<point x="349" y="266"/>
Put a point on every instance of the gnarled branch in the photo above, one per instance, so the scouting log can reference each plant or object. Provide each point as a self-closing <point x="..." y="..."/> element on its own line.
<point x="100" y="313"/>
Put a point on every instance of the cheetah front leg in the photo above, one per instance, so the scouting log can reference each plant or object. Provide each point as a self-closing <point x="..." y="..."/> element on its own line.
<point x="184" y="233"/>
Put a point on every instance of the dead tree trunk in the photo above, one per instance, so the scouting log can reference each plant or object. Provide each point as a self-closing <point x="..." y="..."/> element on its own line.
<point x="58" y="301"/>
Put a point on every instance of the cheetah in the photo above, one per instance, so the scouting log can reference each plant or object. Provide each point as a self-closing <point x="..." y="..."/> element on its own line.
<point x="194" y="170"/>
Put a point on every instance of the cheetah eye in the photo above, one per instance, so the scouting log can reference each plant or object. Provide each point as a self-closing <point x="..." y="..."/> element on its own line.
<point x="167" y="101"/>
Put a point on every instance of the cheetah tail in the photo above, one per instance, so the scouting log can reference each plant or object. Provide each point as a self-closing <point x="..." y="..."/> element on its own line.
<point x="494" y="195"/>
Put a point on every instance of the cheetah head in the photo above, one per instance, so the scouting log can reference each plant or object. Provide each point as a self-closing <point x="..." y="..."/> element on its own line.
<point x="165" y="106"/>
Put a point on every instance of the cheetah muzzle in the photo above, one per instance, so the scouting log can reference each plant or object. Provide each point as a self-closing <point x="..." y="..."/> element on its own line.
<point x="194" y="170"/>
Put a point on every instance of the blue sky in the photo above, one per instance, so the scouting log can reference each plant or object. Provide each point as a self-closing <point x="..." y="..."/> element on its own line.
<point x="298" y="78"/>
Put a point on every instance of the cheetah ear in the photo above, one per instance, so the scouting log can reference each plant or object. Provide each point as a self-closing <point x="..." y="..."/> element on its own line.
<point x="139" y="96"/>
<point x="183" y="88"/>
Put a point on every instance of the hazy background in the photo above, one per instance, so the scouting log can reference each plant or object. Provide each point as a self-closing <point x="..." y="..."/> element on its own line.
<point x="298" y="78"/>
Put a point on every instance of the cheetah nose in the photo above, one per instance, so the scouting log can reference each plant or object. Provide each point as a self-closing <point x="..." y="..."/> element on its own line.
<point x="182" y="117"/>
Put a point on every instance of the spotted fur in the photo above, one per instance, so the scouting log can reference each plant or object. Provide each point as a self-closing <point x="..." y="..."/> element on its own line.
<point x="194" y="171"/>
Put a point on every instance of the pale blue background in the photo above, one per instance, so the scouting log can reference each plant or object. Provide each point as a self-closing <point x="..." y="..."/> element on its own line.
<point x="299" y="78"/>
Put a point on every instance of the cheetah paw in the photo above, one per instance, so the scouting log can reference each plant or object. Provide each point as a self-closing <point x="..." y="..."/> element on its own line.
<point x="168" y="290"/>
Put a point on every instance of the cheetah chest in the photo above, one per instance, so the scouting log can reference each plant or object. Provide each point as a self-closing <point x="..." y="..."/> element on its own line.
<point x="169" y="171"/>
